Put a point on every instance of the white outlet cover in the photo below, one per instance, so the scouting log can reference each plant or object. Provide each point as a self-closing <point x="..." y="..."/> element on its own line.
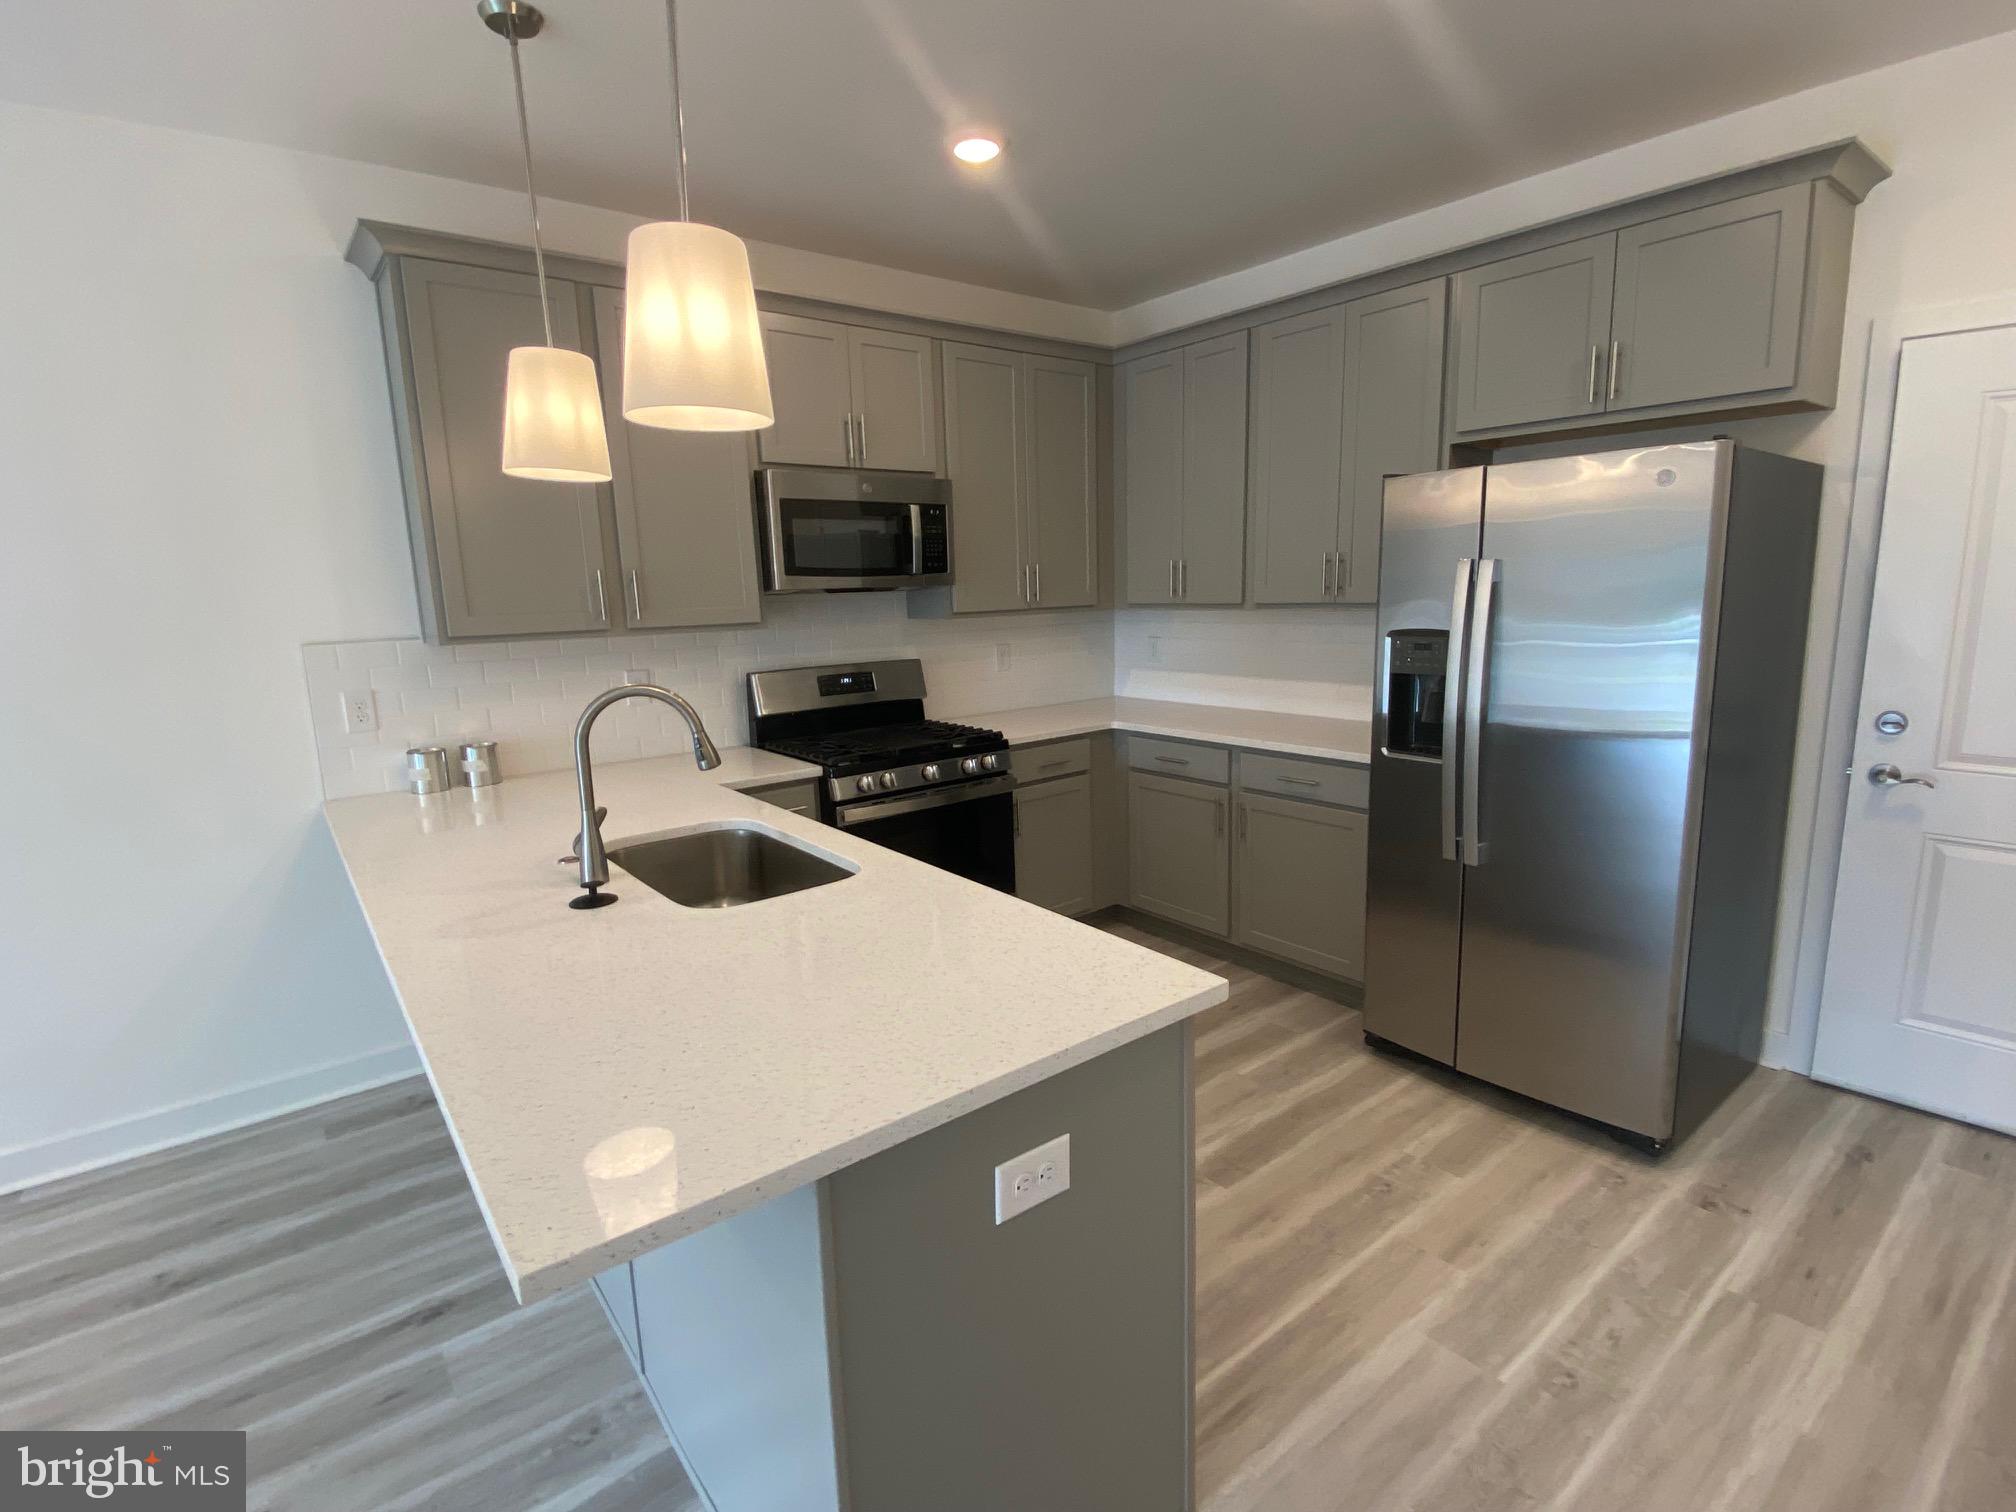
<point x="1004" y="655"/>
<point x="1032" y="1177"/>
<point x="360" y="711"/>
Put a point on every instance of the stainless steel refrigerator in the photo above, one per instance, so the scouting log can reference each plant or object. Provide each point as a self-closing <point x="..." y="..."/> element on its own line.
<point x="1586" y="694"/>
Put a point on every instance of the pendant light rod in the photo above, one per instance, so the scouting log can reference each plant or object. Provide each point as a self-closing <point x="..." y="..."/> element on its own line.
<point x="518" y="21"/>
<point x="678" y="104"/>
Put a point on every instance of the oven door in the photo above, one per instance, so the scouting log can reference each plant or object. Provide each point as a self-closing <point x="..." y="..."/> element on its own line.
<point x="825" y="531"/>
<point x="969" y="829"/>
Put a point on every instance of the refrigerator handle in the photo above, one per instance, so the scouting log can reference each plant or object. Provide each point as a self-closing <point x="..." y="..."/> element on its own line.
<point x="1475" y="850"/>
<point x="1452" y="703"/>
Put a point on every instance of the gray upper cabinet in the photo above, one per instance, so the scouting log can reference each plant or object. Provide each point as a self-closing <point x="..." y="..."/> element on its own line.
<point x="1341" y="397"/>
<point x="848" y="396"/>
<point x="1392" y="417"/>
<point x="1183" y="453"/>
<point x="1177" y="851"/>
<point x="1053" y="844"/>
<point x="1530" y="335"/>
<point x="1301" y="893"/>
<point x="1293" y="487"/>
<point x="1151" y="456"/>
<point x="1708" y="301"/>
<point x="810" y="390"/>
<point x="686" y="545"/>
<point x="895" y="400"/>
<point x="1019" y="435"/>
<point x="495" y="556"/>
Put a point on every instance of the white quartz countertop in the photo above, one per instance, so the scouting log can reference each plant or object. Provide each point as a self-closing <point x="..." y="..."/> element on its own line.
<point x="1251" y="729"/>
<point x="619" y="1077"/>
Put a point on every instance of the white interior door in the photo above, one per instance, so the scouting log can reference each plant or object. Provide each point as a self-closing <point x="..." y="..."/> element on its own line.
<point x="1920" y="998"/>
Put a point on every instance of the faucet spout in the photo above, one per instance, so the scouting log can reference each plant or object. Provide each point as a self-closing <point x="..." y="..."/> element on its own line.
<point x="594" y="860"/>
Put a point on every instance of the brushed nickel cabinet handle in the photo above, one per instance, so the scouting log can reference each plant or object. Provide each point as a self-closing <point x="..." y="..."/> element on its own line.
<point x="1343" y="572"/>
<point x="1218" y="817"/>
<point x="1243" y="811"/>
<point x="861" y="434"/>
<point x="1174" y="760"/>
<point x="1616" y="350"/>
<point x="636" y="599"/>
<point x="1172" y="577"/>
<point x="847" y="437"/>
<point x="1039" y="582"/>
<point x="601" y="599"/>
<point x="1299" y="781"/>
<point x="1595" y="356"/>
<point x="1183" y="577"/>
<point x="1326" y="576"/>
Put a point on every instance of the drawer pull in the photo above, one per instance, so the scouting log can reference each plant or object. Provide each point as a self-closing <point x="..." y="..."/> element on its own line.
<point x="1174" y="760"/>
<point x="1044" y="766"/>
<point x="1299" y="781"/>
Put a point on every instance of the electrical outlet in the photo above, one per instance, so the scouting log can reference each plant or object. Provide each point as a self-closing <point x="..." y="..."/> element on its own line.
<point x="637" y="677"/>
<point x="1035" y="1176"/>
<point x="1004" y="655"/>
<point x="360" y="712"/>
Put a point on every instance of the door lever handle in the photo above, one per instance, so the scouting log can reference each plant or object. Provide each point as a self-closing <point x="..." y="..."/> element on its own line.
<point x="1883" y="774"/>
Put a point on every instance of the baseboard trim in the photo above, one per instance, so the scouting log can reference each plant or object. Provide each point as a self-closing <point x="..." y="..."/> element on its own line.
<point x="164" y="1128"/>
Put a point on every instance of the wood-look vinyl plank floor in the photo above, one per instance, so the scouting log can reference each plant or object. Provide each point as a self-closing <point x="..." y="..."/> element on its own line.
<point x="1415" y="1294"/>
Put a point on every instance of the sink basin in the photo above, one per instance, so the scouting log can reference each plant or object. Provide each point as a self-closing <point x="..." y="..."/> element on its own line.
<point x="725" y="867"/>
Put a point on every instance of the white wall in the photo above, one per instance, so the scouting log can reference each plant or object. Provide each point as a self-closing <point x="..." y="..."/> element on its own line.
<point x="199" y="473"/>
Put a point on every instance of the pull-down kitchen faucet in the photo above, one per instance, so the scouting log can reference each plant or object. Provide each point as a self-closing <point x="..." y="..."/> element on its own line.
<point x="588" y="844"/>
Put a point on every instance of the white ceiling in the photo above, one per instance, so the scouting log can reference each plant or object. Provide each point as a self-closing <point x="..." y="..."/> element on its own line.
<point x="1151" y="144"/>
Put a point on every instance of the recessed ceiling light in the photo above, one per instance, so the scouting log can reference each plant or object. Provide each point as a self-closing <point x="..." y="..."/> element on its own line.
<point x="976" y="149"/>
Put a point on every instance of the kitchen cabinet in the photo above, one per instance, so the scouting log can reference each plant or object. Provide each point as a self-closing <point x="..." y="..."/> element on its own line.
<point x="1301" y="882"/>
<point x="848" y="396"/>
<point x="686" y="552"/>
<point x="1053" y="844"/>
<point x="1183" y="450"/>
<point x="1177" y="851"/>
<point x="1530" y="333"/>
<point x="494" y="555"/>
<point x="1019" y="432"/>
<point x="798" y="797"/>
<point x="1341" y="397"/>
<point x="1718" y="309"/>
<point x="1708" y="301"/>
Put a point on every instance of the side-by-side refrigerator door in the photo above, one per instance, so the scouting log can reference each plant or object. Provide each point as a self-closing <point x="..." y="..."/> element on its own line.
<point x="1585" y="649"/>
<point x="1414" y="880"/>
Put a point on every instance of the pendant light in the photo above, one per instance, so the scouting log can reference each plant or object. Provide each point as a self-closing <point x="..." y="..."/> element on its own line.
<point x="553" y="426"/>
<point x="692" y="347"/>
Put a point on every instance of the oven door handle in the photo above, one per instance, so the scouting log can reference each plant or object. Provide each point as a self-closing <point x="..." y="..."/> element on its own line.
<point x="855" y="814"/>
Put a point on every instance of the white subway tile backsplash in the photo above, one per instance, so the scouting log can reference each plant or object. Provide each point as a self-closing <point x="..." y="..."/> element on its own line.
<point x="527" y="694"/>
<point x="1301" y="661"/>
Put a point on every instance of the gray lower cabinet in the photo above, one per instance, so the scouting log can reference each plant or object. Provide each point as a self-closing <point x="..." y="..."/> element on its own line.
<point x="1341" y="398"/>
<point x="1019" y="444"/>
<point x="849" y="396"/>
<point x="1301" y="882"/>
<point x="798" y="797"/>
<point x="1178" y="845"/>
<point x="687" y="554"/>
<point x="1053" y="844"/>
<point x="494" y="556"/>
<point x="1183" y="464"/>
<point x="1530" y="335"/>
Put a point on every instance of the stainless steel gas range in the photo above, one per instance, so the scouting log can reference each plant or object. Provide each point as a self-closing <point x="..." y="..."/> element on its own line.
<point x="941" y="792"/>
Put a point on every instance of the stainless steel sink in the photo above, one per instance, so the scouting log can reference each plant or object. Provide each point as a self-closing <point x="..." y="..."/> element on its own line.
<point x="724" y="868"/>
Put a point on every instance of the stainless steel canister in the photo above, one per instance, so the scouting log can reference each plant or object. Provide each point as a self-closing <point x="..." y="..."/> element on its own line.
<point x="426" y="769"/>
<point x="478" y="763"/>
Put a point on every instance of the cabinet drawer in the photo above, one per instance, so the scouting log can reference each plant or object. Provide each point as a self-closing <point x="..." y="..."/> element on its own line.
<point x="1055" y="758"/>
<point x="1295" y="777"/>
<point x="1173" y="758"/>
<point x="798" y="797"/>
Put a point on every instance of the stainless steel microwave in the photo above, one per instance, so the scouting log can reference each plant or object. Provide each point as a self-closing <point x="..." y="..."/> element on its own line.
<point x="828" y="530"/>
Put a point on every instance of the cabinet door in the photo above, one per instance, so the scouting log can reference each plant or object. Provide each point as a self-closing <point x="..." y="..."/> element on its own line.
<point x="512" y="556"/>
<point x="1709" y="302"/>
<point x="1293" y="493"/>
<point x="1302" y="883"/>
<point x="685" y="521"/>
<point x="1059" y="480"/>
<point x="1531" y="333"/>
<point x="1151" y="447"/>
<point x="895" y="400"/>
<point x="1053" y="844"/>
<point x="983" y="455"/>
<point x="808" y="364"/>
<point x="1177" y="851"/>
<point x="1392" y="416"/>
<point x="1214" y="472"/>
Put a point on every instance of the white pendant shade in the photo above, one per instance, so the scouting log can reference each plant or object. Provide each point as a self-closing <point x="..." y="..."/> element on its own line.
<point x="692" y="348"/>
<point x="553" y="417"/>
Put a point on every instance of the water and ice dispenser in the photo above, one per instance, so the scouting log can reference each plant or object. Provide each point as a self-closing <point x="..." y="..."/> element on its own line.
<point x="1415" y="660"/>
